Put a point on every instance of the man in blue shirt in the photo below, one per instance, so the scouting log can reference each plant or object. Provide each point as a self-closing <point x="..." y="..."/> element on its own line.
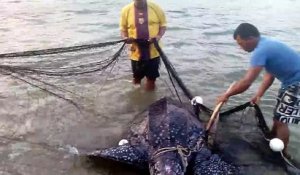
<point x="279" y="61"/>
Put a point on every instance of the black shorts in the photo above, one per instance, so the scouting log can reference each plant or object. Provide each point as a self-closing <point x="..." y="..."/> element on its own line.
<point x="287" y="109"/>
<point x="148" y="68"/>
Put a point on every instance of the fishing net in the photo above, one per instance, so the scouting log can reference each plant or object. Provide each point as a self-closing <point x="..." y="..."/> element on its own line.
<point x="71" y="75"/>
<point x="241" y="136"/>
<point x="57" y="71"/>
<point x="49" y="97"/>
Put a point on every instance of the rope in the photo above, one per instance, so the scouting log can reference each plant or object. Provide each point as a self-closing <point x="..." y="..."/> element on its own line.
<point x="184" y="153"/>
<point x="181" y="150"/>
<point x="288" y="161"/>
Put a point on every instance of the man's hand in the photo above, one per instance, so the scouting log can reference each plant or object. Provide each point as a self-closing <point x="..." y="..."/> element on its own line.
<point x="223" y="98"/>
<point x="255" y="99"/>
<point x="157" y="38"/>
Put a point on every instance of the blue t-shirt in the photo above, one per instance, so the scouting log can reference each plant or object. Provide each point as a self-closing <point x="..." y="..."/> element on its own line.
<point x="278" y="59"/>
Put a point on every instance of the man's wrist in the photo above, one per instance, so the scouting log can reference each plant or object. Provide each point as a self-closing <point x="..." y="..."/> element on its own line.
<point x="227" y="95"/>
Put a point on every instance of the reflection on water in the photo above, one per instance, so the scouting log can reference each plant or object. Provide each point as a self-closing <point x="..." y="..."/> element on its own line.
<point x="34" y="124"/>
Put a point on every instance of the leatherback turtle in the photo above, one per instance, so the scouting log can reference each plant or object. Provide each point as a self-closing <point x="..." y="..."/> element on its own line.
<point x="168" y="141"/>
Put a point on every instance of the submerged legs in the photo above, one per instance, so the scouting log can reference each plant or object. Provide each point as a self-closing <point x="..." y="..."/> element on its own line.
<point x="281" y="131"/>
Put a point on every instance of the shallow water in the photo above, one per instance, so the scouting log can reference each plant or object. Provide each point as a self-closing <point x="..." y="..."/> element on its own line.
<point x="36" y="127"/>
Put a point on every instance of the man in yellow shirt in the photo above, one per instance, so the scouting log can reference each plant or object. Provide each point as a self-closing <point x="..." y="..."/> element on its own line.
<point x="141" y="22"/>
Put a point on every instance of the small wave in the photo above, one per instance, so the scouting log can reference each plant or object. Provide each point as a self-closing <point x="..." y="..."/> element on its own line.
<point x="4" y="30"/>
<point x="214" y="33"/>
<point x="180" y="44"/>
<point x="176" y="11"/>
<point x="14" y="2"/>
<point x="177" y="28"/>
<point x="111" y="26"/>
<point x="86" y="11"/>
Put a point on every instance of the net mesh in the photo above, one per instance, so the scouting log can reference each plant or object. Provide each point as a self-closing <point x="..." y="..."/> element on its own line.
<point x="241" y="136"/>
<point x="54" y="70"/>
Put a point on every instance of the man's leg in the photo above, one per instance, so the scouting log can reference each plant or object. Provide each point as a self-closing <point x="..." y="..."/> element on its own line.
<point x="287" y="98"/>
<point x="150" y="84"/>
<point x="281" y="131"/>
<point x="152" y="72"/>
<point x="136" y="80"/>
<point x="137" y="71"/>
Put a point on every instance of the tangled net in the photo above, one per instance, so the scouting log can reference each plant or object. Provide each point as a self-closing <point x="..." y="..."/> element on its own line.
<point x="39" y="68"/>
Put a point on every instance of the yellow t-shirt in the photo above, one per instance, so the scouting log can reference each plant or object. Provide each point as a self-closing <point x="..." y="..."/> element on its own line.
<point x="156" y="19"/>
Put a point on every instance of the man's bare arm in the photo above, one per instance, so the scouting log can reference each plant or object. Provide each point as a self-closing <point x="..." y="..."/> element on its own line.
<point x="243" y="84"/>
<point x="162" y="31"/>
<point x="267" y="82"/>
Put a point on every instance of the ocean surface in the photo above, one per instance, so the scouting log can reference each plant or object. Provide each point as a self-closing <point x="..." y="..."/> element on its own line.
<point x="36" y="129"/>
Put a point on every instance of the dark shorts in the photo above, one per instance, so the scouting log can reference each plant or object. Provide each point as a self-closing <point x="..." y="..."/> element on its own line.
<point x="287" y="109"/>
<point x="148" y="68"/>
